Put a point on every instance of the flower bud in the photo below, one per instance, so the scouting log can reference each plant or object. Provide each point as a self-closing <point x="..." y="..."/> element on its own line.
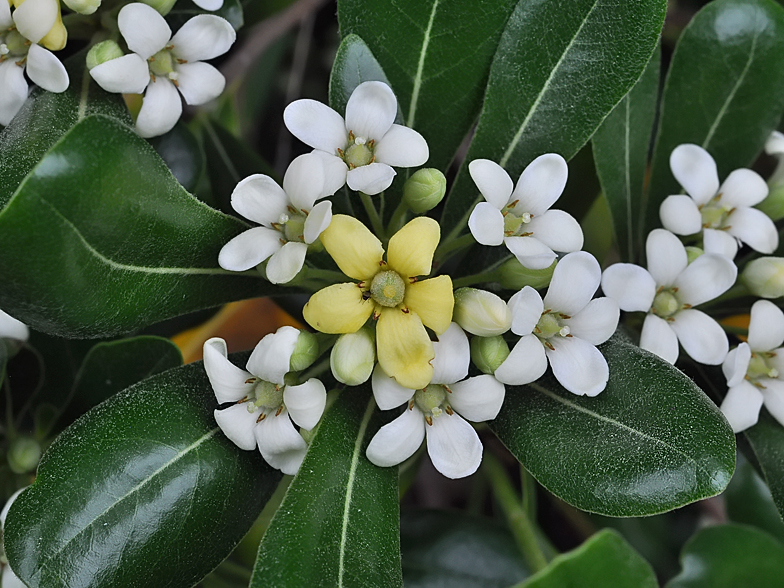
<point x="162" y="6"/>
<point x="353" y="357"/>
<point x="513" y="276"/>
<point x="488" y="353"/>
<point x="773" y="205"/>
<point x="103" y="52"/>
<point x="481" y="312"/>
<point x="693" y="253"/>
<point x="424" y="190"/>
<point x="83" y="6"/>
<point x="24" y="455"/>
<point x="764" y="277"/>
<point x="306" y="351"/>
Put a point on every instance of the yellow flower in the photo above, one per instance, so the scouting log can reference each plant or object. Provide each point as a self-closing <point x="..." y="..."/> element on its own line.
<point x="389" y="291"/>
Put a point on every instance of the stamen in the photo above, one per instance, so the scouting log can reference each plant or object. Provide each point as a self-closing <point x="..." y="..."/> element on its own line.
<point x="413" y="279"/>
<point x="262" y="416"/>
<point x="405" y="310"/>
<point x="243" y="399"/>
<point x="449" y="410"/>
<point x="429" y="420"/>
<point x="549" y="345"/>
<point x="340" y="153"/>
<point x="280" y="410"/>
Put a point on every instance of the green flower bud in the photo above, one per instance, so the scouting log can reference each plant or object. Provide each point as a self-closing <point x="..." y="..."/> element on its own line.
<point x="24" y="455"/>
<point x="353" y="357"/>
<point x="162" y="6"/>
<point x="693" y="253"/>
<point x="83" y="6"/>
<point x="481" y="312"/>
<point x="306" y="351"/>
<point x="103" y="52"/>
<point x="773" y="205"/>
<point x="513" y="276"/>
<point x="424" y="190"/>
<point x="488" y="353"/>
<point x="764" y="277"/>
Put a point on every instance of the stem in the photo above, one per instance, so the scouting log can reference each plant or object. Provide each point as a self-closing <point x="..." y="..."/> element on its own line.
<point x="521" y="526"/>
<point x="453" y="244"/>
<point x="488" y="276"/>
<point x="529" y="493"/>
<point x="375" y="220"/>
<point x="315" y="370"/>
<point x="325" y="275"/>
<point x="398" y="218"/>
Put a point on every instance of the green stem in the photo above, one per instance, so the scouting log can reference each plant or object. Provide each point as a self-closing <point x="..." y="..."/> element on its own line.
<point x="398" y="218"/>
<point x="315" y="370"/>
<point x="529" y="493"/>
<point x="325" y="275"/>
<point x="375" y="219"/>
<point x="488" y="276"/>
<point x="451" y="245"/>
<point x="521" y="526"/>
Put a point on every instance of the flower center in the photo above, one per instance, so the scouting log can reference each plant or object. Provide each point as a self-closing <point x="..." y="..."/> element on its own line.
<point x="432" y="401"/>
<point x="714" y="214"/>
<point x="269" y="396"/>
<point x="388" y="288"/>
<point x="358" y="152"/>
<point x="515" y="225"/>
<point x="14" y="45"/>
<point x="759" y="366"/>
<point x="552" y="324"/>
<point x="293" y="226"/>
<point x="162" y="64"/>
<point x="666" y="303"/>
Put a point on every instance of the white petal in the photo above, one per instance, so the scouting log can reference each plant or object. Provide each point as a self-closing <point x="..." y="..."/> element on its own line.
<point x="402" y="147"/>
<point x="8" y="579"/>
<point x="657" y="337"/>
<point x="238" y="424"/>
<point x="317" y="125"/>
<point x="199" y="82"/>
<point x="666" y="256"/>
<point x="286" y="262"/>
<point x="695" y="170"/>
<point x="526" y="307"/>
<point x="46" y="70"/>
<point x="6" y="22"/>
<point x="720" y="243"/>
<point x="395" y="442"/>
<point x="387" y="392"/>
<point x="477" y="399"/>
<point x="14" y="93"/>
<point x="203" y="37"/>
<point x="161" y="108"/>
<point x="249" y="249"/>
<point x="128" y="74"/>
<point x="35" y="18"/>
<point x="741" y="406"/>
<point x="371" y="110"/>
<point x="701" y="336"/>
<point x="558" y="230"/>
<point x="773" y="397"/>
<point x="679" y="214"/>
<point x="271" y="357"/>
<point x="229" y="382"/>
<point x="766" y="327"/>
<point x="540" y="184"/>
<point x="596" y="322"/>
<point x="453" y="446"/>
<point x="575" y="281"/>
<point x="775" y="143"/>
<point x="754" y="228"/>
<point x="453" y="354"/>
<point x="578" y="365"/>
<point x="631" y="286"/>
<point x="143" y="28"/>
<point x="530" y="252"/>
<point x="318" y="220"/>
<point x="280" y="444"/>
<point x="486" y="224"/>
<point x="777" y="361"/>
<point x="743" y="187"/>
<point x="7" y="506"/>
<point x="335" y="171"/>
<point x="260" y="199"/>
<point x="306" y="402"/>
<point x="371" y="179"/>
<point x="303" y="182"/>
<point x="10" y="328"/>
<point x="706" y="277"/>
<point x="209" y="4"/>
<point x="736" y="364"/>
<point x="492" y="180"/>
<point x="526" y="363"/>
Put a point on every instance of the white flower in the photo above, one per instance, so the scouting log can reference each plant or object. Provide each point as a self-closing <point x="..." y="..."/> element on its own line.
<point x="667" y="291"/>
<point x="20" y="34"/>
<point x="521" y="219"/>
<point x="10" y="328"/>
<point x="211" y="5"/>
<point x="8" y="579"/>
<point x="755" y="370"/>
<point x="264" y="402"/>
<point x="452" y="443"/>
<point x="564" y="328"/>
<point x="164" y="64"/>
<point x="290" y="218"/>
<point x="367" y="141"/>
<point x="724" y="214"/>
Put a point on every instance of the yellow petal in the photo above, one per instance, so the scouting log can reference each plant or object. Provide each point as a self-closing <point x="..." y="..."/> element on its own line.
<point x="411" y="249"/>
<point x="57" y="36"/>
<point x="433" y="301"/>
<point x="404" y="349"/>
<point x="338" y="309"/>
<point x="354" y="248"/>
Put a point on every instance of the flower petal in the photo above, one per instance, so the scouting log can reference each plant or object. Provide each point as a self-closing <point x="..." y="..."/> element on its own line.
<point x="741" y="406"/>
<point x="303" y="182"/>
<point x="530" y="252"/>
<point x="695" y="170"/>
<point x="395" y="442"/>
<point x="128" y="74"/>
<point x="402" y="147"/>
<point x="478" y="399"/>
<point x="558" y="230"/>
<point x="706" y="277"/>
<point x="743" y="188"/>
<point x="526" y="362"/>
<point x="411" y="249"/>
<point x="337" y="309"/>
<point x="432" y="300"/>
<point x="773" y="397"/>
<point x="35" y="18"/>
<point x="335" y="171"/>
<point x="371" y="179"/>
<point x="205" y="36"/>
<point x="666" y="256"/>
<point x="228" y="381"/>
<point x="631" y="286"/>
<point x="8" y="579"/>
<point x="46" y="70"/>
<point x="736" y="364"/>
<point x="679" y="214"/>
<point x="754" y="228"/>
<point x="238" y="424"/>
<point x="453" y="354"/>
<point x="596" y="322"/>
<point x="161" y="108"/>
<point x="10" y="328"/>
<point x="578" y="366"/>
<point x="404" y="349"/>
<point x="775" y="143"/>
<point x="249" y="249"/>
<point x="199" y="82"/>
<point x="280" y="444"/>
<point x="318" y="220"/>
<point x="453" y="446"/>
<point x="316" y="124"/>
<point x="271" y="357"/>
<point x="306" y="402"/>
<point x="540" y="184"/>
<point x="700" y="336"/>
<point x="260" y="199"/>
<point x="14" y="93"/>
<point x="356" y="250"/>
<point x="766" y="327"/>
<point x="211" y="5"/>
<point x="526" y="307"/>
<point x="143" y="28"/>
<point x="658" y="338"/>
<point x="493" y="182"/>
<point x="486" y="224"/>
<point x="371" y="110"/>
<point x="286" y="262"/>
<point x="387" y="392"/>
<point x="720" y="243"/>
<point x="6" y="22"/>
<point x="575" y="281"/>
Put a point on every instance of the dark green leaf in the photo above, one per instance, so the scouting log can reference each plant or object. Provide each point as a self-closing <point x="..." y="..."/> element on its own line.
<point x="729" y="556"/>
<point x="724" y="90"/>
<point x="144" y="490"/>
<point x="338" y="525"/>
<point x="650" y="442"/>
<point x="182" y="154"/>
<point x="354" y="64"/>
<point x="620" y="149"/>
<point x="748" y="501"/>
<point x="442" y="548"/>
<point x="560" y="69"/>
<point x="767" y="441"/>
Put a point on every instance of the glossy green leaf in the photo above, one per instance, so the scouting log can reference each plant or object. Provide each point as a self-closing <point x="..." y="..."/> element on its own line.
<point x="767" y="441"/>
<point x="437" y="55"/>
<point x="560" y="69"/>
<point x="182" y="154"/>
<point x="650" y="442"/>
<point x="620" y="149"/>
<point x="338" y="524"/>
<point x="724" y="90"/>
<point x="728" y="556"/>
<point x="442" y="548"/>
<point x="144" y="490"/>
<point x="354" y="64"/>
<point x="96" y="236"/>
<point x="605" y="560"/>
<point x="748" y="501"/>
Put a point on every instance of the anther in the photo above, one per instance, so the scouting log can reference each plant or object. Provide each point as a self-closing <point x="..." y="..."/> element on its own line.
<point x="262" y="416"/>
<point x="429" y="420"/>
<point x="280" y="410"/>
<point x="449" y="410"/>
<point x="549" y="345"/>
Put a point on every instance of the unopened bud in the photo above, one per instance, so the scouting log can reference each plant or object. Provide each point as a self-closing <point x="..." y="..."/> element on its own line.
<point x="353" y="357"/>
<point x="162" y="6"/>
<point x="103" y="52"/>
<point x="83" y="6"/>
<point x="513" y="276"/>
<point x="488" y="353"/>
<point x="424" y="190"/>
<point x="764" y="277"/>
<point x="773" y="205"/>
<point x="306" y="351"/>
<point x="24" y="455"/>
<point x="693" y="253"/>
<point x="481" y="312"/>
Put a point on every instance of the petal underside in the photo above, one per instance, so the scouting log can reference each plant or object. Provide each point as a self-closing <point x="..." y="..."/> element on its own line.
<point x="404" y="348"/>
<point x="432" y="300"/>
<point x="337" y="309"/>
<point x="356" y="250"/>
